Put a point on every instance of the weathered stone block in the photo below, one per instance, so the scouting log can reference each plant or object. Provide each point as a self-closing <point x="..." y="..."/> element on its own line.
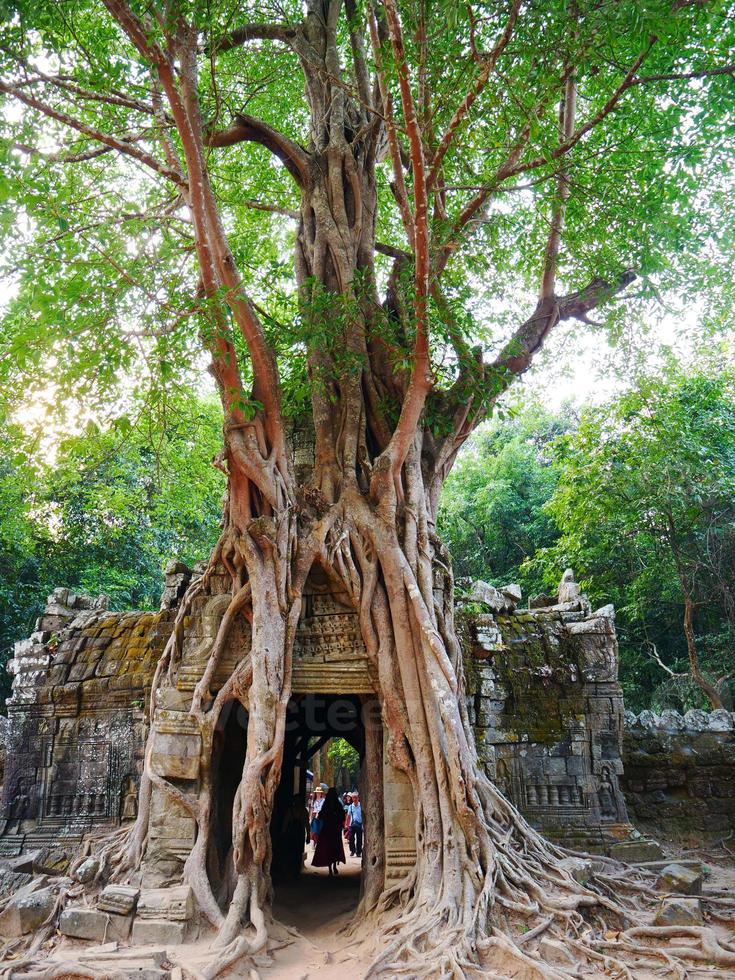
<point x="512" y="592"/>
<point x="84" y="923"/>
<point x="489" y="596"/>
<point x="680" y="879"/>
<point x="679" y="912"/>
<point x="176" y="904"/>
<point x="154" y="931"/>
<point x="554" y="952"/>
<point x="26" y="911"/>
<point x="176" y="756"/>
<point x="632" y="851"/>
<point x="87" y="870"/>
<point x="118" y="899"/>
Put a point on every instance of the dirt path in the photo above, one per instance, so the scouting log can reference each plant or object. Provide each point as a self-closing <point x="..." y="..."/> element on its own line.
<point x="314" y="911"/>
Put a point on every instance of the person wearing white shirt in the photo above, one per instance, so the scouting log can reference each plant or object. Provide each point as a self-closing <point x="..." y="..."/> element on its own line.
<point x="354" y="811"/>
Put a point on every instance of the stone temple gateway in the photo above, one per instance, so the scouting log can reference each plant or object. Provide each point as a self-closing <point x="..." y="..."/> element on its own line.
<point x="542" y="694"/>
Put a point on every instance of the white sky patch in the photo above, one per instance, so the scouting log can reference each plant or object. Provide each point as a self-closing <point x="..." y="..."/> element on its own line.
<point x="582" y="367"/>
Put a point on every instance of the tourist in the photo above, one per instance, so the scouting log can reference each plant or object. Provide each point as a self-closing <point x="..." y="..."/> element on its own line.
<point x="329" y="850"/>
<point x="315" y="821"/>
<point x="354" y="814"/>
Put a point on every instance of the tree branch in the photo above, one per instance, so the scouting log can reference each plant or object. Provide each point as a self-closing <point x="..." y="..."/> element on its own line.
<point x="514" y="360"/>
<point x="122" y="146"/>
<point x="489" y="63"/>
<point x="399" y="185"/>
<point x="68" y="85"/>
<point x="249" y="129"/>
<point x="512" y="165"/>
<point x="62" y="157"/>
<point x="517" y="354"/>
<point x="567" y="111"/>
<point x="595" y="120"/>
<point x="359" y="61"/>
<point x="421" y="379"/>
<point x="252" y="32"/>
<point x="272" y="208"/>
<point x="685" y="76"/>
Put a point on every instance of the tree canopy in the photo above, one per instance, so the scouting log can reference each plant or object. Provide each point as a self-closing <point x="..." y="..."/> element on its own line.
<point x="88" y="187"/>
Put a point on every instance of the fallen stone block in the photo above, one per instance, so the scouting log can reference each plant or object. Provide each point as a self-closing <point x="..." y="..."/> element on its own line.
<point x="636" y="851"/>
<point x="158" y="931"/>
<point x="173" y="904"/>
<point x="679" y="912"/>
<point x="552" y="951"/>
<point x="489" y="596"/>
<point x="118" y="899"/>
<point x="22" y="863"/>
<point x="541" y="601"/>
<point x="83" y="923"/>
<point x="581" y="869"/>
<point x="512" y="592"/>
<point x="12" y="881"/>
<point x="87" y="870"/>
<point x="26" y="911"/>
<point x="677" y="878"/>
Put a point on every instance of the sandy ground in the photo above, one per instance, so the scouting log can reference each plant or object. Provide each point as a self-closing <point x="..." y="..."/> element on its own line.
<point x="317" y="910"/>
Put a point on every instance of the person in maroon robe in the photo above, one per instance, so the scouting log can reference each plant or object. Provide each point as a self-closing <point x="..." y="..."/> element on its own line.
<point x="329" y="851"/>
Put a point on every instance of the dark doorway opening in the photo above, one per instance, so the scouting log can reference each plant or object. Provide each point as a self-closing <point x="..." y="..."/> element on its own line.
<point x="228" y="758"/>
<point x="306" y="896"/>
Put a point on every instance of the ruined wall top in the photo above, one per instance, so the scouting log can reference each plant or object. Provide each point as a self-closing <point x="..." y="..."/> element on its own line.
<point x="673" y="722"/>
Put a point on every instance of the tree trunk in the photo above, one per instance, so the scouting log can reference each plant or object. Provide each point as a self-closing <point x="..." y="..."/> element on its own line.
<point x="709" y="690"/>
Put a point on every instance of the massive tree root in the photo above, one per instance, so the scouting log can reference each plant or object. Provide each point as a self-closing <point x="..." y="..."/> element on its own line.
<point x="486" y="889"/>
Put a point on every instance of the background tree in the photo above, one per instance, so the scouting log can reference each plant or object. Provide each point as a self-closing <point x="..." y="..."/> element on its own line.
<point x="345" y="763"/>
<point x="555" y="149"/>
<point x="105" y="513"/>
<point x="646" y="504"/>
<point x="492" y="514"/>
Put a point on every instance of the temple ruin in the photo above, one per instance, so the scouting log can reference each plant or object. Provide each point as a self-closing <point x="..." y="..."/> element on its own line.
<point x="542" y="694"/>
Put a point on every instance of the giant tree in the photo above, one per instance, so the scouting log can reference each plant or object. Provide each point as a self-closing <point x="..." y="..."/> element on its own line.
<point x="461" y="180"/>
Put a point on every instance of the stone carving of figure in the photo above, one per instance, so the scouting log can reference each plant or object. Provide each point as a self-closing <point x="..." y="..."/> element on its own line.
<point x="606" y="795"/>
<point x="130" y="801"/>
<point x="502" y="780"/>
<point x="18" y="808"/>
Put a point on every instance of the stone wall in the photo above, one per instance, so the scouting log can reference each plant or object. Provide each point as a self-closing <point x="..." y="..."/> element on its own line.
<point x="543" y="697"/>
<point x="76" y="721"/>
<point x="548" y="713"/>
<point x="679" y="773"/>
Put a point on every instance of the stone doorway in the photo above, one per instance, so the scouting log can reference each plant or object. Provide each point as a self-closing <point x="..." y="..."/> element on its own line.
<point x="313" y="722"/>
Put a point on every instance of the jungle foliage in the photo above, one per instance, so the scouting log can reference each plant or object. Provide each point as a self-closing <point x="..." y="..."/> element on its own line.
<point x="637" y="495"/>
<point x="105" y="513"/>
